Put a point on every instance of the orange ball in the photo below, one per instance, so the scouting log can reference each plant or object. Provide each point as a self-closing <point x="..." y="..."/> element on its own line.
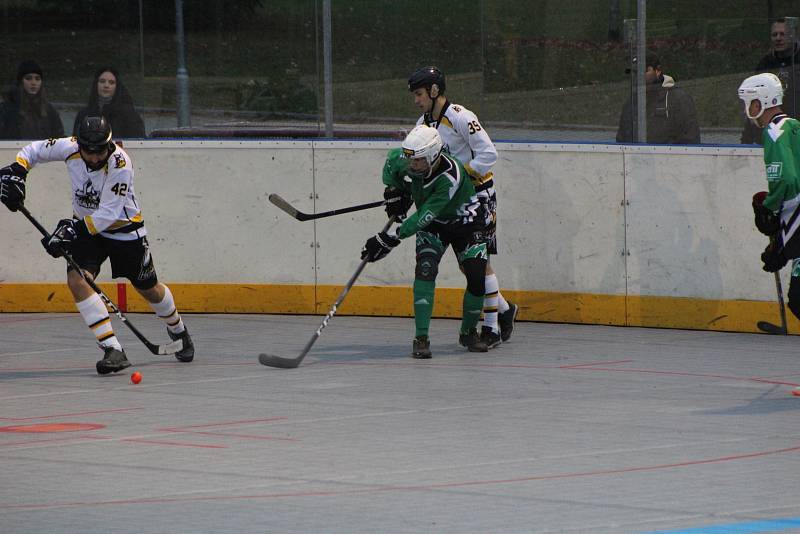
<point x="136" y="377"/>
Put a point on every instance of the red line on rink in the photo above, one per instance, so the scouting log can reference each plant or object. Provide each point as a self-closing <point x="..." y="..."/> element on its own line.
<point x="590" y="364"/>
<point x="69" y="414"/>
<point x="174" y="443"/>
<point x="228" y="423"/>
<point x="226" y="435"/>
<point x="52" y="440"/>
<point x="385" y="488"/>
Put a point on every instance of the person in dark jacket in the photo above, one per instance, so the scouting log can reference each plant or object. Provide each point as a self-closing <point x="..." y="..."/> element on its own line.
<point x="109" y="97"/>
<point x="671" y="114"/>
<point x="783" y="60"/>
<point x="25" y="112"/>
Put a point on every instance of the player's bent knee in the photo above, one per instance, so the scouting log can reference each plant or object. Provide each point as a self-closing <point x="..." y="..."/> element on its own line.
<point x="427" y="267"/>
<point x="475" y="269"/>
<point x="144" y="284"/>
<point x="794" y="298"/>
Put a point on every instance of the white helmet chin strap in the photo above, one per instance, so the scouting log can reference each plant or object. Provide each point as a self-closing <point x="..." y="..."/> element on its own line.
<point x="747" y="110"/>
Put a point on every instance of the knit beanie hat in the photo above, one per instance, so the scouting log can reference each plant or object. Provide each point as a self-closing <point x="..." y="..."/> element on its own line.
<point x="27" y="67"/>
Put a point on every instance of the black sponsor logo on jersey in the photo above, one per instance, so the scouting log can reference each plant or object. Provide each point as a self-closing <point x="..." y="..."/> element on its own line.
<point x="87" y="197"/>
<point x="119" y="161"/>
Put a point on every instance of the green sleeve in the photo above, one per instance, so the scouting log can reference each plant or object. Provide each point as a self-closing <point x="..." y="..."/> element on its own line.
<point x="783" y="174"/>
<point x="430" y="209"/>
<point x="394" y="169"/>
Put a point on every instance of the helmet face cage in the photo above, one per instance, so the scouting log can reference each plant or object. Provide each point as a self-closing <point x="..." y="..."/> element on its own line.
<point x="427" y="77"/>
<point x="423" y="142"/>
<point x="766" y="88"/>
<point x="94" y="134"/>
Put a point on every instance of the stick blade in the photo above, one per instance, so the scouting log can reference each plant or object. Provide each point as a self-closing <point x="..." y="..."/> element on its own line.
<point x="769" y="328"/>
<point x="285" y="206"/>
<point x="271" y="360"/>
<point x="169" y="348"/>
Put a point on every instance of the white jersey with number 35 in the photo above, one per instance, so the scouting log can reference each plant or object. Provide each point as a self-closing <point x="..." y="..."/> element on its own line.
<point x="105" y="198"/>
<point x="466" y="140"/>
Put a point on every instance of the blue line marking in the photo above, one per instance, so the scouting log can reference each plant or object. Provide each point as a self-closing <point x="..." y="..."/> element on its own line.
<point x="768" y="525"/>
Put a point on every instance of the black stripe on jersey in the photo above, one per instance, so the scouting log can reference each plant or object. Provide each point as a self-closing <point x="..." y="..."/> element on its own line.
<point x="427" y="118"/>
<point x="125" y="229"/>
<point x="779" y="117"/>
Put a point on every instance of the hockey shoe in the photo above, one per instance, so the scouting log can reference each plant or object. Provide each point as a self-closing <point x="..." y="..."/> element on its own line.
<point x="506" y="321"/>
<point x="472" y="341"/>
<point x="113" y="361"/>
<point x="421" y="348"/>
<point x="490" y="337"/>
<point x="186" y="354"/>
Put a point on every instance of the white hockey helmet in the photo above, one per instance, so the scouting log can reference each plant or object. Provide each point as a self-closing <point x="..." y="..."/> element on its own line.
<point x="766" y="88"/>
<point x="423" y="142"/>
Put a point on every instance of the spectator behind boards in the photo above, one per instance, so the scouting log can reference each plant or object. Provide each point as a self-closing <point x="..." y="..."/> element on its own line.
<point x="109" y="97"/>
<point x="783" y="60"/>
<point x="25" y="112"/>
<point x="671" y="115"/>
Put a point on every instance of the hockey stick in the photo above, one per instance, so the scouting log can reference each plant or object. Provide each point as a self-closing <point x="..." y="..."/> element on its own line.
<point x="290" y="363"/>
<point x="768" y="327"/>
<point x="300" y="216"/>
<point x="169" y="348"/>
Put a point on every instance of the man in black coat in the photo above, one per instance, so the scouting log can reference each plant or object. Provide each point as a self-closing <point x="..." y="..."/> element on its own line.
<point x="671" y="114"/>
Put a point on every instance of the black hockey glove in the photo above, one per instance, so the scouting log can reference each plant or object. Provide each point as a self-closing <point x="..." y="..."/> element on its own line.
<point x="12" y="185"/>
<point x="397" y="202"/>
<point x="378" y="246"/>
<point x="773" y="258"/>
<point x="62" y="238"/>
<point x="766" y="221"/>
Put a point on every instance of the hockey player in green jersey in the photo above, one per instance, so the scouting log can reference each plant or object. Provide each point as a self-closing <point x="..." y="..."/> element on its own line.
<point x="448" y="213"/>
<point x="466" y="139"/>
<point x="777" y="210"/>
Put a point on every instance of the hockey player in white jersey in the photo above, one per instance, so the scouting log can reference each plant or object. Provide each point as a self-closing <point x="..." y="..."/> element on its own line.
<point x="466" y="140"/>
<point x="107" y="223"/>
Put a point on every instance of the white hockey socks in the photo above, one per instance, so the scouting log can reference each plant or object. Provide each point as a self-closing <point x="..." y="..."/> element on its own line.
<point x="490" y="303"/>
<point x="95" y="315"/>
<point x="167" y="312"/>
<point x="502" y="303"/>
<point x="493" y="302"/>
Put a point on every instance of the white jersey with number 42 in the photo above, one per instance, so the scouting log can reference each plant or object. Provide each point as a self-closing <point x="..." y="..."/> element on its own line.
<point x="105" y="198"/>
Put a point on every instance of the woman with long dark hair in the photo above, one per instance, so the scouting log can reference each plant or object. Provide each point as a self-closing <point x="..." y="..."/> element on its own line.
<point x="25" y="112"/>
<point x="109" y="97"/>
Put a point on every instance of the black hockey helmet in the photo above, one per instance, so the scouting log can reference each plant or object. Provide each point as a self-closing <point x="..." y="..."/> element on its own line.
<point x="427" y="77"/>
<point x="94" y="134"/>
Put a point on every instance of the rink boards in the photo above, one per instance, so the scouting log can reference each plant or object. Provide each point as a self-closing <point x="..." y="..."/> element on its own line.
<point x="588" y="233"/>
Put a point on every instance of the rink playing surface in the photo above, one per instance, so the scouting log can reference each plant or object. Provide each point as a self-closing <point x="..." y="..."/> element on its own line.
<point x="566" y="428"/>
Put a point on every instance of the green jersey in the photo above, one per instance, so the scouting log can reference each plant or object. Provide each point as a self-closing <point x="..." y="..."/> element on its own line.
<point x="782" y="158"/>
<point x="446" y="198"/>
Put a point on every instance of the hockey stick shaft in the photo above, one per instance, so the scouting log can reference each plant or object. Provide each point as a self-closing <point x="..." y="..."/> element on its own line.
<point x="300" y="216"/>
<point x="779" y="289"/>
<point x="169" y="348"/>
<point x="291" y="363"/>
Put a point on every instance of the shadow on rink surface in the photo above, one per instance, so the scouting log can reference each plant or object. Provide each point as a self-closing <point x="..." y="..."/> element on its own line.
<point x="566" y="428"/>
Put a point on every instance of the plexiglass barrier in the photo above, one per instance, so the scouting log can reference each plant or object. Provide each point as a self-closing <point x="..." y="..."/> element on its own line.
<point x="555" y="71"/>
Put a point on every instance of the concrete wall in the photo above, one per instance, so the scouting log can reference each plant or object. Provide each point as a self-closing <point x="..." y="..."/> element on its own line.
<point x="588" y="233"/>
